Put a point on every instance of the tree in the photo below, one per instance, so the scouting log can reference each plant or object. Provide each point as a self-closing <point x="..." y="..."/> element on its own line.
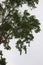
<point x="16" y="25"/>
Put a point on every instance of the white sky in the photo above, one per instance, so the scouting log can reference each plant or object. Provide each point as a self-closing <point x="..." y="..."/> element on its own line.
<point x="35" y="51"/>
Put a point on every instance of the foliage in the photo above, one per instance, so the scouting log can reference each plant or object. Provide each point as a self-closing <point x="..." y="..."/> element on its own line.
<point x="2" y="60"/>
<point x="16" y="25"/>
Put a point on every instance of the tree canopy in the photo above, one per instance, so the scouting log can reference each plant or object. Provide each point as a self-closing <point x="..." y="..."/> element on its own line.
<point x="16" y="25"/>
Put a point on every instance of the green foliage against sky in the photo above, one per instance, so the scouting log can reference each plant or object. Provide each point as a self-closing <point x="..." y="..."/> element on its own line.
<point x="16" y="25"/>
<point x="2" y="60"/>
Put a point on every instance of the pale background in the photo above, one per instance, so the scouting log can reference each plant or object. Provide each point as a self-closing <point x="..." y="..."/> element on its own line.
<point x="34" y="55"/>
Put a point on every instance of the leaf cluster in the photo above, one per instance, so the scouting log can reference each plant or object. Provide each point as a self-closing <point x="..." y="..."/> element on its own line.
<point x="18" y="26"/>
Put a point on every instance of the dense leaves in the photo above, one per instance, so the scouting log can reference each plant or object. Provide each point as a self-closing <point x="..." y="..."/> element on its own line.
<point x="19" y="26"/>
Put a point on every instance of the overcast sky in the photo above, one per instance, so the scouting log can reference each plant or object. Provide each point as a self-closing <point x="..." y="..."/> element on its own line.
<point x="34" y="55"/>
